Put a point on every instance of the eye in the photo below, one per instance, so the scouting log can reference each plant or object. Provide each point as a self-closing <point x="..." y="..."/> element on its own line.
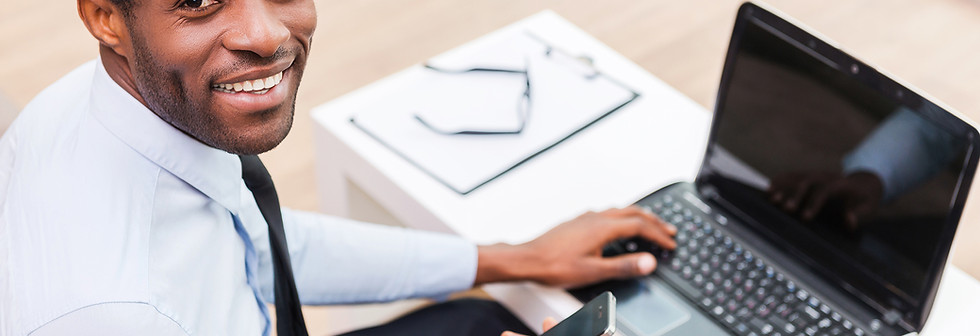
<point x="198" y="4"/>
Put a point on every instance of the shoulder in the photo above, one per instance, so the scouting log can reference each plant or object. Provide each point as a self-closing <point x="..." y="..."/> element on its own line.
<point x="60" y="98"/>
<point x="111" y="318"/>
<point x="76" y="205"/>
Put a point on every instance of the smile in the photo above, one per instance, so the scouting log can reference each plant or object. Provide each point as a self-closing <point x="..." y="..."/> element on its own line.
<point x="256" y="86"/>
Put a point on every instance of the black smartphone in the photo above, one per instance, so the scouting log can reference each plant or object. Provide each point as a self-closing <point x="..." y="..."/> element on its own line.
<point x="596" y="318"/>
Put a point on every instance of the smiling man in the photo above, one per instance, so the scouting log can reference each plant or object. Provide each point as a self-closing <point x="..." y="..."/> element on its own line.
<point x="132" y="202"/>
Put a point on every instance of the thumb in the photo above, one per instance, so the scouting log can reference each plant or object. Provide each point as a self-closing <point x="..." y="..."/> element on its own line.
<point x="549" y="322"/>
<point x="629" y="265"/>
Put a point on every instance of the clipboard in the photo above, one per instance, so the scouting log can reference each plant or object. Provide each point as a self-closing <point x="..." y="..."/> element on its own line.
<point x="467" y="128"/>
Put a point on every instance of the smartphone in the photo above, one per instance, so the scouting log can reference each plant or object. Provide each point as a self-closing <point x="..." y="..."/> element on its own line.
<point x="596" y="318"/>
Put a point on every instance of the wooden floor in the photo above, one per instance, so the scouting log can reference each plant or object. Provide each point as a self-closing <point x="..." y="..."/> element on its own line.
<point x="932" y="44"/>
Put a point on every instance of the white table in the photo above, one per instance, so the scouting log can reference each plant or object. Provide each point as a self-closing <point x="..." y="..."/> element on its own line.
<point x="654" y="141"/>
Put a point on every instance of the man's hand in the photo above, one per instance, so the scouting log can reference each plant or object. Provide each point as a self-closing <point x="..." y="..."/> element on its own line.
<point x="851" y="198"/>
<point x="570" y="255"/>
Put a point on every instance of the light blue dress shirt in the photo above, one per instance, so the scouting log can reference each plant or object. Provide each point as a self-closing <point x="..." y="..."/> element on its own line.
<point x="904" y="151"/>
<point x="114" y="222"/>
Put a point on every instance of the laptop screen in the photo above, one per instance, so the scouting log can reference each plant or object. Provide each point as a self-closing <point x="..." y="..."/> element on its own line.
<point x="847" y="170"/>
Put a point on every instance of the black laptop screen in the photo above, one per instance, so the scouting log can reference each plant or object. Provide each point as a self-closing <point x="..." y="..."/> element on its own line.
<point x="845" y="172"/>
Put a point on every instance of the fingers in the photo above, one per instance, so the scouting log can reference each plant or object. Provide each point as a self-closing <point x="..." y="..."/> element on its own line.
<point x="796" y="196"/>
<point x="779" y="186"/>
<point x="818" y="199"/>
<point x="626" y="265"/>
<point x="549" y="322"/>
<point x="633" y="227"/>
<point x="634" y="221"/>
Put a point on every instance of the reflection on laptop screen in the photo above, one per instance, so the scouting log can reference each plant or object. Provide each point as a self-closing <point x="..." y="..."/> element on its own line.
<point x="857" y="181"/>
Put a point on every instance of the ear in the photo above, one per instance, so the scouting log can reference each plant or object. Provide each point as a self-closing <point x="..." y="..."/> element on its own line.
<point x="107" y="23"/>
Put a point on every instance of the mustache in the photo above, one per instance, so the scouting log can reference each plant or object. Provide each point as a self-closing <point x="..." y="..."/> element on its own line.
<point x="245" y="60"/>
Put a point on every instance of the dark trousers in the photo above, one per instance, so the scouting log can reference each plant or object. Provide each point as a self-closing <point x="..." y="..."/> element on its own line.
<point x="472" y="317"/>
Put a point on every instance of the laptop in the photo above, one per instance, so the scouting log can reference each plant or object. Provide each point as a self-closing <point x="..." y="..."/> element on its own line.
<point x="826" y="202"/>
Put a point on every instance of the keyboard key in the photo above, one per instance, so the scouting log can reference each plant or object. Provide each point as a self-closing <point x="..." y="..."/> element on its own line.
<point x="716" y="278"/>
<point x="763" y="311"/>
<point x="739" y="294"/>
<point x="783" y="310"/>
<point x="710" y="288"/>
<point x="875" y="325"/>
<point x="720" y="297"/>
<point x="797" y="319"/>
<point x="743" y="313"/>
<point x="714" y="261"/>
<point x="759" y="324"/>
<point x="824" y="309"/>
<point x="751" y="303"/>
<point x="731" y="306"/>
<point x="812" y="313"/>
<point x="741" y="328"/>
<point x="729" y="320"/>
<point x="780" y="324"/>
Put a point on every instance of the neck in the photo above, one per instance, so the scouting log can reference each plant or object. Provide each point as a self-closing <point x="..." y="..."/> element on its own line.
<point x="118" y="68"/>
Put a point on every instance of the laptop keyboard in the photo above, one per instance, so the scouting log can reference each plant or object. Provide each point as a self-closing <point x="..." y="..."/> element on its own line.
<point x="741" y="291"/>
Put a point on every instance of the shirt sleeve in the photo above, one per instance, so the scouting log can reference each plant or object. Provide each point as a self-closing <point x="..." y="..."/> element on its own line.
<point x="904" y="151"/>
<point x="113" y="318"/>
<point x="338" y="261"/>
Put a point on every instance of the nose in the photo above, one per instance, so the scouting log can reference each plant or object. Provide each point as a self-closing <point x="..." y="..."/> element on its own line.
<point x="258" y="29"/>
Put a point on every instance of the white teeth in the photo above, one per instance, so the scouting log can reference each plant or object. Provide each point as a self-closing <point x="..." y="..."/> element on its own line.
<point x="257" y="86"/>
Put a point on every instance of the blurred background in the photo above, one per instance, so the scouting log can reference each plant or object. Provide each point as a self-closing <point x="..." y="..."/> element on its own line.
<point x="931" y="44"/>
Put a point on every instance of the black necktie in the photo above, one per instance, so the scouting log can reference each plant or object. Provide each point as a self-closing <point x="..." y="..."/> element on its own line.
<point x="289" y="317"/>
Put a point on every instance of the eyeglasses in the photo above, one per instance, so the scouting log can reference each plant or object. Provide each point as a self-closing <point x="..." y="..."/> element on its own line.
<point x="523" y="105"/>
<point x="524" y="102"/>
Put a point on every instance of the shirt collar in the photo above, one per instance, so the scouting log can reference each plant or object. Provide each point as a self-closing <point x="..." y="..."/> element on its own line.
<point x="214" y="172"/>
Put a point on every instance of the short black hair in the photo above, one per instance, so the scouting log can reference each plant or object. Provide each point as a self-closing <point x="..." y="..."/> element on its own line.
<point x="126" y="6"/>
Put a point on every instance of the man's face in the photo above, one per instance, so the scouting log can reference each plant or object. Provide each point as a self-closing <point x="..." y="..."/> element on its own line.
<point x="223" y="71"/>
